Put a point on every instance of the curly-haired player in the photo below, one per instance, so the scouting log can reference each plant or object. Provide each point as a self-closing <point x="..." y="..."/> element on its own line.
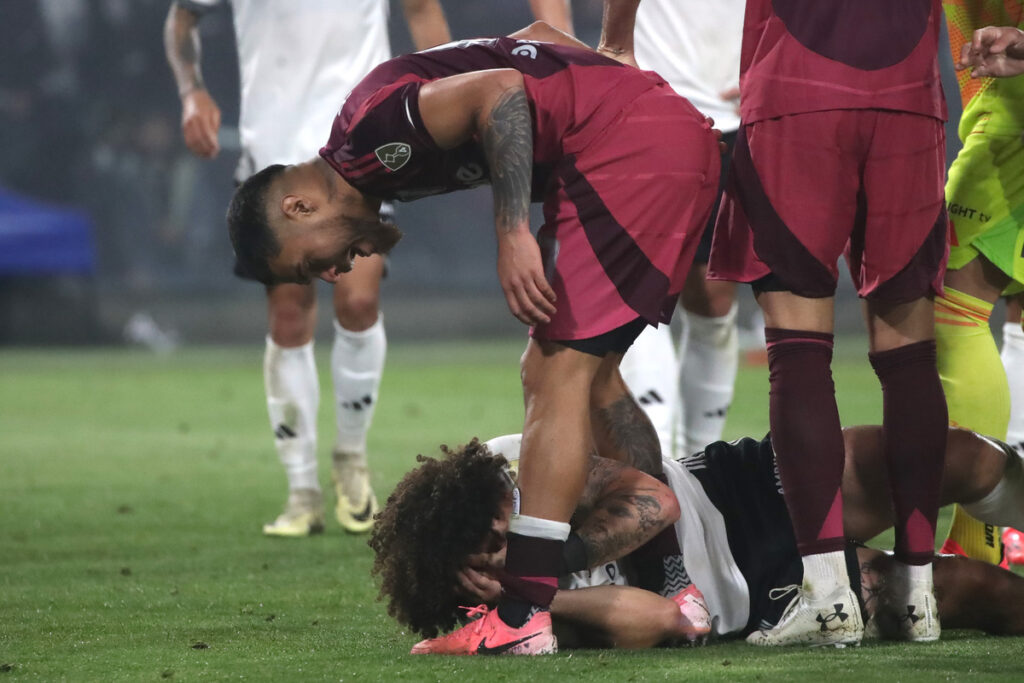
<point x="733" y="528"/>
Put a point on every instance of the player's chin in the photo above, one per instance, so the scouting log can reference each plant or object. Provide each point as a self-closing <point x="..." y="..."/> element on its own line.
<point x="384" y="238"/>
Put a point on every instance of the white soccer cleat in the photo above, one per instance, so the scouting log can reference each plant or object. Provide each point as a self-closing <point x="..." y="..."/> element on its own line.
<point x="356" y="504"/>
<point x="914" y="618"/>
<point x="831" y="621"/>
<point x="303" y="516"/>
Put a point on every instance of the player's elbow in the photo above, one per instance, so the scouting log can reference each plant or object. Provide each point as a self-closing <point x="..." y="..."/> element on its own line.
<point x="538" y="30"/>
<point x="669" y="505"/>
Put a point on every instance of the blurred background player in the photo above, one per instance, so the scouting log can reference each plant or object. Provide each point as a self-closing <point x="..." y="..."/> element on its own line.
<point x="687" y="396"/>
<point x="295" y="57"/>
<point x="842" y="149"/>
<point x="985" y="200"/>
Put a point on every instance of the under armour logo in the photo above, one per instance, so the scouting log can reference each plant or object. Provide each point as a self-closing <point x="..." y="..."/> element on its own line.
<point x="650" y="397"/>
<point x="838" y="614"/>
<point x="721" y="412"/>
<point x="283" y="431"/>
<point x="910" y="616"/>
<point x="364" y="402"/>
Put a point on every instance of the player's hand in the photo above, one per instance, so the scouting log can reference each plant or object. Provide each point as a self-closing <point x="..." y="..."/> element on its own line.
<point x="521" y="274"/>
<point x="478" y="586"/>
<point x="732" y="95"/>
<point x="200" y="121"/>
<point x="996" y="51"/>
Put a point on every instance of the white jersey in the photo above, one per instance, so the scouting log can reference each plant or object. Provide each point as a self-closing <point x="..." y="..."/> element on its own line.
<point x="695" y="46"/>
<point x="702" y="537"/>
<point x="298" y="60"/>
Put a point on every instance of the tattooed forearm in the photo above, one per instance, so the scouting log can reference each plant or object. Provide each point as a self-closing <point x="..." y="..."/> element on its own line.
<point x="181" y="46"/>
<point x="619" y="524"/>
<point x="508" y="145"/>
<point x="625" y="433"/>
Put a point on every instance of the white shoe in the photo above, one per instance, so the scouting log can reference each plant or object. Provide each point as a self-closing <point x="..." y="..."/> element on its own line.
<point x="833" y="620"/>
<point x="914" y="618"/>
<point x="303" y="515"/>
<point x="356" y="503"/>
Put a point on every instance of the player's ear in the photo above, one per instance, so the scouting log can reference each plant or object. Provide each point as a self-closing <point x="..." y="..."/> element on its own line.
<point x="297" y="206"/>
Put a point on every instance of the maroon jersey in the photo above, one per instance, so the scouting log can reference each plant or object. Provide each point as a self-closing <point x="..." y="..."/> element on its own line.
<point x="803" y="56"/>
<point x="379" y="145"/>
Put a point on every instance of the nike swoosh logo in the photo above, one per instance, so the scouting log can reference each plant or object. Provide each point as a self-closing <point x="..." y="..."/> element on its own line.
<point x="365" y="514"/>
<point x="483" y="649"/>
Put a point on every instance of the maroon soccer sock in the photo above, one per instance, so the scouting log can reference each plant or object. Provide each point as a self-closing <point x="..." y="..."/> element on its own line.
<point x="806" y="436"/>
<point x="914" y="430"/>
<point x="530" y="578"/>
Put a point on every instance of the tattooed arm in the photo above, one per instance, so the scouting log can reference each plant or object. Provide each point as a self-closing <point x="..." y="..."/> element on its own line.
<point x="621" y="509"/>
<point x="491" y="107"/>
<point x="200" y="116"/>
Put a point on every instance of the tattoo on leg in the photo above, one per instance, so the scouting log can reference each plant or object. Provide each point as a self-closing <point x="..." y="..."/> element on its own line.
<point x="629" y="430"/>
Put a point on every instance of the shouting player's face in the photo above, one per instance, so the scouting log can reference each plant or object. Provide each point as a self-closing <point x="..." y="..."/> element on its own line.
<point x="326" y="246"/>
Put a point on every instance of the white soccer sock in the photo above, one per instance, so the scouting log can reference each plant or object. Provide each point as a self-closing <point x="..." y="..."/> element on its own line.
<point x="538" y="527"/>
<point x="824" y="573"/>
<point x="709" y="359"/>
<point x="648" y="369"/>
<point x="1004" y="504"/>
<point x="1013" y="360"/>
<point x="293" y="399"/>
<point x="357" y="362"/>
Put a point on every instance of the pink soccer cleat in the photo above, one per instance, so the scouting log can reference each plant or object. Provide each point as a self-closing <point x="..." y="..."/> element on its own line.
<point x="1013" y="546"/>
<point x="489" y="635"/>
<point x="695" y="613"/>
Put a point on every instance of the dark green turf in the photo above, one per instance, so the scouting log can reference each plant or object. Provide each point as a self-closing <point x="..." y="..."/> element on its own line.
<point x="132" y="489"/>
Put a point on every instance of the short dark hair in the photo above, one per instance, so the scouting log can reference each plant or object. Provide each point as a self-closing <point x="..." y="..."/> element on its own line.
<point x="249" y="226"/>
<point x="440" y="513"/>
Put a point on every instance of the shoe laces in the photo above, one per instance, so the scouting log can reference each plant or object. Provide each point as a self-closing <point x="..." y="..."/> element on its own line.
<point x="477" y="614"/>
<point x="779" y="593"/>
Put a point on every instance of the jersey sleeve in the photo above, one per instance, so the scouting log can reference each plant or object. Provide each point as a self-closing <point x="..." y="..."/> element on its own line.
<point x="383" y="145"/>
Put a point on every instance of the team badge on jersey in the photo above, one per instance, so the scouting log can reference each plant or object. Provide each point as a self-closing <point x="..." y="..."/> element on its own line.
<point x="394" y="155"/>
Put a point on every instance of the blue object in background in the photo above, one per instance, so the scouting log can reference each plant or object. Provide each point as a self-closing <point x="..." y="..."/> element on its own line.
<point x="37" y="238"/>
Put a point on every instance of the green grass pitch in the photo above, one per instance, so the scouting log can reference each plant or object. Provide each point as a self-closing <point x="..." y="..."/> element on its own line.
<point x="132" y="489"/>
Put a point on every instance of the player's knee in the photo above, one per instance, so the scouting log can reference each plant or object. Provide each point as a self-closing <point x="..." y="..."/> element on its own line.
<point x="292" y="318"/>
<point x="357" y="311"/>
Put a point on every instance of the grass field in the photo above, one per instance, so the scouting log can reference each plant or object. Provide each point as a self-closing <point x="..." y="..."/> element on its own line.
<point x="132" y="489"/>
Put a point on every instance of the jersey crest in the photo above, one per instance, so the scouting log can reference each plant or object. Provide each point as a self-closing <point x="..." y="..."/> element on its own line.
<point x="394" y="155"/>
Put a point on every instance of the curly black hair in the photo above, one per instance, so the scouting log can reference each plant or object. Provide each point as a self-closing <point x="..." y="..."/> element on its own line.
<point x="439" y="513"/>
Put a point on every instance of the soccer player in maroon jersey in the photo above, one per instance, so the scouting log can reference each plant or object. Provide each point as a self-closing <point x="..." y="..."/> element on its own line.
<point x="842" y="149"/>
<point x="627" y="171"/>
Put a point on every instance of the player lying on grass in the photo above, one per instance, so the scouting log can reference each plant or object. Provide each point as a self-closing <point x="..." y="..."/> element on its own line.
<point x="439" y="541"/>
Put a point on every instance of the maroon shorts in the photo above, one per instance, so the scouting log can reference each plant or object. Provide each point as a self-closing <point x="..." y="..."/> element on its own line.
<point x="806" y="188"/>
<point x="623" y="217"/>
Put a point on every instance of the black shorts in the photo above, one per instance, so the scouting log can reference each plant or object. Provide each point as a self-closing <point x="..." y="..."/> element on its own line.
<point x="704" y="248"/>
<point x="615" y="341"/>
<point x="742" y="481"/>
